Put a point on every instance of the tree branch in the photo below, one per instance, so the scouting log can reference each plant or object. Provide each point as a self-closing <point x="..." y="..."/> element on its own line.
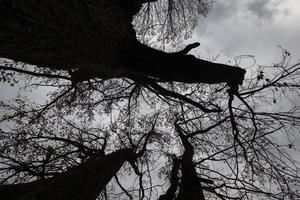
<point x="188" y="48"/>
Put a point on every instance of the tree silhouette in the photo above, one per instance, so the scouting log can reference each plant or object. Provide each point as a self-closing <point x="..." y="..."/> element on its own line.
<point x="124" y="120"/>
<point x="95" y="39"/>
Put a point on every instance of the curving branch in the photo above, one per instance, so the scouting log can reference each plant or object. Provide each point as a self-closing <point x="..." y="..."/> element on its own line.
<point x="188" y="48"/>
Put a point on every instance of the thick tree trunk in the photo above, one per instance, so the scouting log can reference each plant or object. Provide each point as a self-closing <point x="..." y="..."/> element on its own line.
<point x="190" y="186"/>
<point x="83" y="182"/>
<point x="97" y="38"/>
<point x="65" y="34"/>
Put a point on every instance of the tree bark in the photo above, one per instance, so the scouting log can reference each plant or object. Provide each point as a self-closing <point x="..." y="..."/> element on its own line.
<point x="83" y="182"/>
<point x="96" y="38"/>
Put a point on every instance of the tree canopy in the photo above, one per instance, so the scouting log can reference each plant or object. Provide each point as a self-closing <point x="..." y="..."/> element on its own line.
<point x="124" y="120"/>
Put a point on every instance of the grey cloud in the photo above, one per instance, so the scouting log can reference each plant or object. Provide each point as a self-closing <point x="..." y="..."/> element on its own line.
<point x="266" y="9"/>
<point x="255" y="27"/>
<point x="223" y="10"/>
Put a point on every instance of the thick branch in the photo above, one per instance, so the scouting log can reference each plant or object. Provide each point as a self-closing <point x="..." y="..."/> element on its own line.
<point x="96" y="38"/>
<point x="83" y="182"/>
<point x="179" y="67"/>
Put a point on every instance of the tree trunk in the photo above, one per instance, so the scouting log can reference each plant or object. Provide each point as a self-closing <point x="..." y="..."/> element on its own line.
<point x="83" y="182"/>
<point x="95" y="37"/>
<point x="174" y="182"/>
<point x="190" y="186"/>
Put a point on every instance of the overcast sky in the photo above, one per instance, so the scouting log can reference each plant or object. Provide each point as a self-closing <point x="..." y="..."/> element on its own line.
<point x="256" y="27"/>
<point x="250" y="27"/>
<point x="238" y="27"/>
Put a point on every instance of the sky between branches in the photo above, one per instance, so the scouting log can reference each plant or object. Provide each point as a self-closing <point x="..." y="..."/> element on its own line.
<point x="251" y="27"/>
<point x="237" y="27"/>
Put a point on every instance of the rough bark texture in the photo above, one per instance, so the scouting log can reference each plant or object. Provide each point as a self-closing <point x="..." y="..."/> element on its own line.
<point x="97" y="38"/>
<point x="83" y="182"/>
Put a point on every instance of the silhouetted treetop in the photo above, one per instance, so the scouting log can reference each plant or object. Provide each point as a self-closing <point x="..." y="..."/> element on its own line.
<point x="123" y="120"/>
<point x="169" y="20"/>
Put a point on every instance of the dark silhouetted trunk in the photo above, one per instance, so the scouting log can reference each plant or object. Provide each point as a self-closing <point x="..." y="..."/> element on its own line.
<point x="174" y="182"/>
<point x="83" y="182"/>
<point x="95" y="37"/>
<point x="190" y="186"/>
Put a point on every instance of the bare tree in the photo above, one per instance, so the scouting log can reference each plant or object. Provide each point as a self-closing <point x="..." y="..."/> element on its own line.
<point x="124" y="120"/>
<point x="237" y="149"/>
